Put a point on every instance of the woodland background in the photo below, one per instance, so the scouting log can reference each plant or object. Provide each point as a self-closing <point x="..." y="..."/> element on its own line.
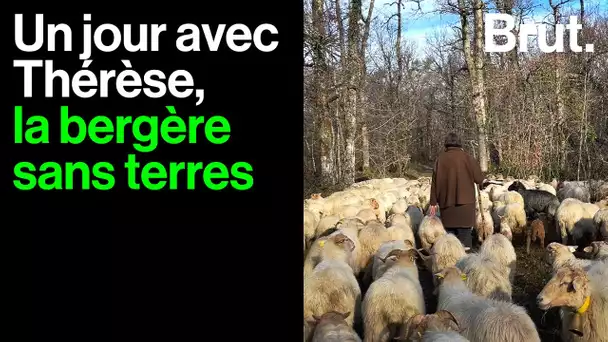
<point x="378" y="103"/>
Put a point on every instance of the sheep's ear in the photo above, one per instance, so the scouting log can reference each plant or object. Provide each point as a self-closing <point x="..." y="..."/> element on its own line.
<point x="342" y="239"/>
<point x="439" y="275"/>
<point x="412" y="254"/>
<point x="578" y="283"/>
<point x="346" y="314"/>
<point x="588" y="249"/>
<point x="572" y="248"/>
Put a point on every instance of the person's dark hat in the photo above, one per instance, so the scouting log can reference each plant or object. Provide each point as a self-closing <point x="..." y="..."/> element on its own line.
<point x="452" y="140"/>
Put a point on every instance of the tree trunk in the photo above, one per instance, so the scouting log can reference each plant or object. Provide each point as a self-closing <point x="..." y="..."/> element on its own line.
<point x="340" y="28"/>
<point x="325" y="132"/>
<point x="362" y="98"/>
<point x="398" y="47"/>
<point x="479" y="92"/>
<point x="353" y="83"/>
<point x="475" y="65"/>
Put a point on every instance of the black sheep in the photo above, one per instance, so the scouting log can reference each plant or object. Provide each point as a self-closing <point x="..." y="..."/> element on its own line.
<point x="536" y="201"/>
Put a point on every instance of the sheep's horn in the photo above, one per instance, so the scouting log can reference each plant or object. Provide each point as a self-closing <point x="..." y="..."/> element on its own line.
<point x="422" y="256"/>
<point x="394" y="252"/>
<point x="589" y="249"/>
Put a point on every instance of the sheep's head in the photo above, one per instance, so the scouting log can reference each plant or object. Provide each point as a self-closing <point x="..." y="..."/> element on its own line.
<point x="506" y="231"/>
<point x="596" y="247"/>
<point x="328" y="232"/>
<point x="516" y="186"/>
<point x="351" y="222"/>
<point x="343" y="241"/>
<point x="316" y="196"/>
<point x="416" y="326"/>
<point x="451" y="273"/>
<point x="569" y="287"/>
<point x="333" y="316"/>
<point x="397" y="219"/>
<point x="557" y="251"/>
<point x="408" y="255"/>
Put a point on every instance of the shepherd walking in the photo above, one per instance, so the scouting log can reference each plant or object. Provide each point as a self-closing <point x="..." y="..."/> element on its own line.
<point x="453" y="189"/>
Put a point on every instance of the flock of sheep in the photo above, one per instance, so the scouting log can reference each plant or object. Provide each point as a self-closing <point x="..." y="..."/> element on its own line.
<point x="361" y="247"/>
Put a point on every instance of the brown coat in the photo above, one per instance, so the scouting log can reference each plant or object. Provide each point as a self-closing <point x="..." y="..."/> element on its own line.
<point x="452" y="187"/>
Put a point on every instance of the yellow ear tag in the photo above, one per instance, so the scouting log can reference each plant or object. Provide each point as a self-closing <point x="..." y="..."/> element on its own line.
<point x="439" y="275"/>
<point x="321" y="243"/>
<point x="463" y="277"/>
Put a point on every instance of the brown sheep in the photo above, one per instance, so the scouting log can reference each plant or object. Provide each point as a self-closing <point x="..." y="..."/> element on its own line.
<point x="536" y="231"/>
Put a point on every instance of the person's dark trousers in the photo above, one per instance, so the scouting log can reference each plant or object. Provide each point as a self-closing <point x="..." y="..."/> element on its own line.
<point x="464" y="234"/>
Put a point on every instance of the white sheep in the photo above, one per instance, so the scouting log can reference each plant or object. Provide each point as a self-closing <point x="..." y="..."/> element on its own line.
<point x="326" y="223"/>
<point x="486" y="277"/>
<point x="347" y="211"/>
<point x="378" y="266"/>
<point x="509" y="197"/>
<point x="378" y="208"/>
<point x="506" y="231"/>
<point x="485" y="201"/>
<point x="424" y="196"/>
<point x="321" y="250"/>
<point x="316" y="253"/>
<point x="371" y="237"/>
<point x="575" y="218"/>
<point x="497" y="246"/>
<point x="332" y="286"/>
<point x="446" y="251"/>
<point x="431" y="228"/>
<point x="559" y="255"/>
<point x="401" y="232"/>
<point x="310" y="226"/>
<point x="547" y="187"/>
<point x="399" y="207"/>
<point x="332" y="326"/>
<point x="367" y="215"/>
<point x="393" y="298"/>
<point x="315" y="204"/>
<point x="601" y="222"/>
<point x="484" y="227"/>
<point x="583" y="300"/>
<point x="395" y="219"/>
<point x="495" y="191"/>
<point x="512" y="214"/>
<point x="483" y="319"/>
